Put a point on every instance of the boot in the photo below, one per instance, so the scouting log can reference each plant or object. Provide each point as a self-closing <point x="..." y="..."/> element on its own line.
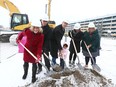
<point x="33" y="80"/>
<point x="25" y="66"/>
<point x="38" y="70"/>
<point x="34" y="69"/>
<point x="70" y="63"/>
<point x="73" y="63"/>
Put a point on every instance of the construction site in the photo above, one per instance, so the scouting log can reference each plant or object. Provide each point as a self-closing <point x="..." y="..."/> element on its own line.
<point x="11" y="60"/>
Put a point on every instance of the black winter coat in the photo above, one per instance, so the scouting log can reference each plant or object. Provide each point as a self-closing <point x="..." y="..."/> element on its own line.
<point x="57" y="35"/>
<point x="47" y="31"/>
<point x="77" y="37"/>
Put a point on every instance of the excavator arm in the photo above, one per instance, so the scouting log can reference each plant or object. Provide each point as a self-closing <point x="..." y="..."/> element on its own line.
<point x="51" y="23"/>
<point x="9" y="6"/>
<point x="18" y="21"/>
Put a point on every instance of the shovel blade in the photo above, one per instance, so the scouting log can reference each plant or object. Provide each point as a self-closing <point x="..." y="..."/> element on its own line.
<point x="57" y="68"/>
<point x="96" y="67"/>
<point x="48" y="73"/>
<point x="80" y="66"/>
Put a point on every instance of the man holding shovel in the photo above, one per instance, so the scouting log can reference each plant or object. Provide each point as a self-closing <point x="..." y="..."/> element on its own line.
<point x="47" y="43"/>
<point x="57" y="35"/>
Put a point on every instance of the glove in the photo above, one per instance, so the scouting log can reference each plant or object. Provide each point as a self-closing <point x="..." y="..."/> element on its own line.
<point x="18" y="41"/>
<point x="60" y="53"/>
<point x="38" y="59"/>
<point x="89" y="46"/>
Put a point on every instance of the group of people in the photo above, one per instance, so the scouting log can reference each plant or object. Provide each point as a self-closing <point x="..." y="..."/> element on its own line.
<point x="89" y="39"/>
<point x="41" y="39"/>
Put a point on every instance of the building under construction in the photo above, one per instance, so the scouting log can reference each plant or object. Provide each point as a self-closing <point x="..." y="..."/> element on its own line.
<point x="105" y="24"/>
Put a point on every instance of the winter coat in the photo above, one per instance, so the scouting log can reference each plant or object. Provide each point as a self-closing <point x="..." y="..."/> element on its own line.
<point x="64" y="54"/>
<point x="23" y="41"/>
<point x="57" y="35"/>
<point x="77" y="37"/>
<point x="92" y="39"/>
<point x="34" y="44"/>
<point x="47" y="37"/>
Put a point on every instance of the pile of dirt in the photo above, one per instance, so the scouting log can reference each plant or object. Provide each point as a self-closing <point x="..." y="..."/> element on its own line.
<point x="74" y="78"/>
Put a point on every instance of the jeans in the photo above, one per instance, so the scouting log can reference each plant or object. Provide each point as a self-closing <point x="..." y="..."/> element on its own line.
<point x="54" y="60"/>
<point x="62" y="63"/>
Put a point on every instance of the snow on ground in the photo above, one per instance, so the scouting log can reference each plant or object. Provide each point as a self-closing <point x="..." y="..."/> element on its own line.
<point x="11" y="66"/>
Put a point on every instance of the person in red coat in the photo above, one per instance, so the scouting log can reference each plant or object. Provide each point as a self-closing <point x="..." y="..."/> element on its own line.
<point x="34" y="44"/>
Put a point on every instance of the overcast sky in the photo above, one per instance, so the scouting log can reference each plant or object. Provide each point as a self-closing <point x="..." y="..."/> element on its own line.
<point x="72" y="10"/>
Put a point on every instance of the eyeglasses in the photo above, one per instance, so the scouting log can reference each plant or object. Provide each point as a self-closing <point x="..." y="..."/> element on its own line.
<point x="45" y="21"/>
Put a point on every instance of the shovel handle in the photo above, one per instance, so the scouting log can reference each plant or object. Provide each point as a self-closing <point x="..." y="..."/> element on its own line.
<point x="75" y="47"/>
<point x="89" y="51"/>
<point x="47" y="56"/>
<point x="33" y="56"/>
<point x="29" y="51"/>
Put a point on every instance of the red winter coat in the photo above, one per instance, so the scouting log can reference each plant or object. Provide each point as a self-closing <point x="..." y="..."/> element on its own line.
<point x="34" y="44"/>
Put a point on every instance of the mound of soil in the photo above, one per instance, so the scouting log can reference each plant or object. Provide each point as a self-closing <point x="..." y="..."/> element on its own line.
<point x="74" y="78"/>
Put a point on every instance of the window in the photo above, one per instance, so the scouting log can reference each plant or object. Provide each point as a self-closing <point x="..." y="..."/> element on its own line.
<point x="106" y="21"/>
<point x="113" y="24"/>
<point x="106" y="25"/>
<point x="113" y="20"/>
<point x="25" y="21"/>
<point x="113" y="28"/>
<point x="17" y="19"/>
<point x="114" y="16"/>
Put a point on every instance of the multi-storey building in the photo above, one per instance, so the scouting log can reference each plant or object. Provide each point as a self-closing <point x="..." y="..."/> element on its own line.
<point x="105" y="24"/>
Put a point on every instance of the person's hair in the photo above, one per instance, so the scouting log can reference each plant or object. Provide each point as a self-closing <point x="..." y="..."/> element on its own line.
<point x="65" y="45"/>
<point x="40" y="29"/>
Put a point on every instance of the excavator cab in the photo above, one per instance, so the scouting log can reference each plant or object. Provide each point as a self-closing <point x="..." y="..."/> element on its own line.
<point x="19" y="21"/>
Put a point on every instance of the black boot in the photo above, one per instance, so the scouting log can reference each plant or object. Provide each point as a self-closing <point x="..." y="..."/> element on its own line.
<point x="33" y="80"/>
<point x="38" y="70"/>
<point x="25" y="66"/>
<point x="34" y="69"/>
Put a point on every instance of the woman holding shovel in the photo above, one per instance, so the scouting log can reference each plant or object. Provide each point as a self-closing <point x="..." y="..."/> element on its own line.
<point x="91" y="44"/>
<point x="76" y="35"/>
<point x="34" y="44"/>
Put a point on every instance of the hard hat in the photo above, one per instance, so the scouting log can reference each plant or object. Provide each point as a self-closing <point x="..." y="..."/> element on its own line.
<point x="77" y="26"/>
<point x="91" y="25"/>
<point x="45" y="18"/>
<point x="66" y="21"/>
<point x="36" y="23"/>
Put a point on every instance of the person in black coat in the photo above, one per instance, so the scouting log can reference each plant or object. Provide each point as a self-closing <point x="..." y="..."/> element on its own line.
<point x="47" y="31"/>
<point x="57" y="35"/>
<point x="76" y="35"/>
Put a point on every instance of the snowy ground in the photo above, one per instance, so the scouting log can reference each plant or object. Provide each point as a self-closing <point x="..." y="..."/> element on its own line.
<point x="11" y="66"/>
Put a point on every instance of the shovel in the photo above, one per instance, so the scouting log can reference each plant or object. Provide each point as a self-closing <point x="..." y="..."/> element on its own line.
<point x="56" y="67"/>
<point x="78" y="64"/>
<point x="94" y="65"/>
<point x="34" y="56"/>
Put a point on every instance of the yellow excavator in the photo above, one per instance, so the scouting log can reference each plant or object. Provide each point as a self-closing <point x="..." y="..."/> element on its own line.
<point x="51" y="23"/>
<point x="19" y="21"/>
